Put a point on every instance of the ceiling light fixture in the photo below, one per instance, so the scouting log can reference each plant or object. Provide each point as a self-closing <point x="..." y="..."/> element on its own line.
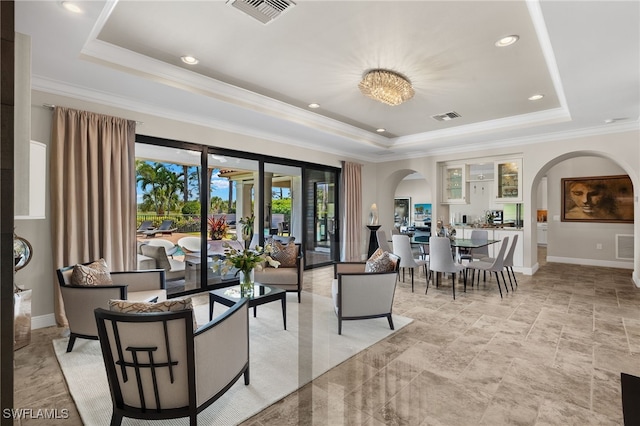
<point x="190" y="60"/>
<point x="536" y="97"/>
<point x="71" y="7"/>
<point x="381" y="130"/>
<point x="386" y="86"/>
<point x="314" y="106"/>
<point x="507" y="41"/>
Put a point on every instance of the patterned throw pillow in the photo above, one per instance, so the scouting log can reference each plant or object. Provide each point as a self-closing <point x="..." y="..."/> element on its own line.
<point x="285" y="254"/>
<point x="380" y="262"/>
<point x="173" y="305"/>
<point x="96" y="273"/>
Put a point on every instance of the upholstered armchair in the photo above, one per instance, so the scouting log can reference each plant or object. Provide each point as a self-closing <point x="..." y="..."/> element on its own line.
<point x="159" y="367"/>
<point x="81" y="300"/>
<point x="288" y="277"/>
<point x="358" y="294"/>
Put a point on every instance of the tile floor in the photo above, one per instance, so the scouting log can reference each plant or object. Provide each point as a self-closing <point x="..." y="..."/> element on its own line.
<point x="549" y="353"/>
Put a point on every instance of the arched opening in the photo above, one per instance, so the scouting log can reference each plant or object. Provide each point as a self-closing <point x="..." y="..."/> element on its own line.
<point x="592" y="243"/>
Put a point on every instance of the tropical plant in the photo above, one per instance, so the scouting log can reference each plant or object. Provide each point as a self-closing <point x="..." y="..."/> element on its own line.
<point x="161" y="187"/>
<point x="245" y="260"/>
<point x="247" y="229"/>
<point x="191" y="207"/>
<point x="217" y="227"/>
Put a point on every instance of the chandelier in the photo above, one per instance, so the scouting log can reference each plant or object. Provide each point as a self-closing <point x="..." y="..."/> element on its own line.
<point x="386" y="86"/>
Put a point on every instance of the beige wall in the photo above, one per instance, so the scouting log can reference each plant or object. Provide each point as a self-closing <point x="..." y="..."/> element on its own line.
<point x="380" y="181"/>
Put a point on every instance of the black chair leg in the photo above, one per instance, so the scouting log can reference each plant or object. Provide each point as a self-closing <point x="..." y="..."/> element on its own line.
<point x="505" y="281"/>
<point x="453" y="284"/>
<point x="427" y="289"/>
<point x="411" y="280"/>
<point x="514" y="275"/>
<point x="390" y="321"/>
<point x="72" y="340"/>
<point x="499" y="285"/>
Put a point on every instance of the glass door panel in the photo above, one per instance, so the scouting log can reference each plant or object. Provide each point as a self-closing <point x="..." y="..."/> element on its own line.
<point x="321" y="220"/>
<point x="168" y="199"/>
<point x="283" y="212"/>
<point x="233" y="184"/>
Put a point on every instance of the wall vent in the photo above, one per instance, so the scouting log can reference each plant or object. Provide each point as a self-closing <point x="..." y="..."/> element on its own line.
<point x="264" y="11"/>
<point x="447" y="116"/>
<point x="624" y="246"/>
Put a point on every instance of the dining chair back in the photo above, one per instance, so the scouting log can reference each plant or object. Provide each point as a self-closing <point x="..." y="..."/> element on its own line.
<point x="508" y="261"/>
<point x="480" y="252"/>
<point x="441" y="260"/>
<point x="494" y="265"/>
<point x="381" y="236"/>
<point x="402" y="248"/>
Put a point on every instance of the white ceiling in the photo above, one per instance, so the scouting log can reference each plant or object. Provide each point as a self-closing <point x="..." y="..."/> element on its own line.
<point x="257" y="79"/>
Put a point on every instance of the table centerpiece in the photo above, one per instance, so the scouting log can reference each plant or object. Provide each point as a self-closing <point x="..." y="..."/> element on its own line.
<point x="245" y="261"/>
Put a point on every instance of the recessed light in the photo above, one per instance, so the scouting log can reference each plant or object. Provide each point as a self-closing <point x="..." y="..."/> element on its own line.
<point x="314" y="106"/>
<point x="189" y="60"/>
<point x="381" y="130"/>
<point x="507" y="41"/>
<point x="71" y="7"/>
<point x="536" y="97"/>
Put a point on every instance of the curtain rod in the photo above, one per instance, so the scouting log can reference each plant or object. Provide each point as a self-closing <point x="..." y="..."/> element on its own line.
<point x="51" y="106"/>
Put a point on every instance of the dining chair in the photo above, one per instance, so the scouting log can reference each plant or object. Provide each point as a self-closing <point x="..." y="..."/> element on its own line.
<point x="494" y="265"/>
<point x="402" y="248"/>
<point x="508" y="261"/>
<point x="441" y="261"/>
<point x="381" y="236"/>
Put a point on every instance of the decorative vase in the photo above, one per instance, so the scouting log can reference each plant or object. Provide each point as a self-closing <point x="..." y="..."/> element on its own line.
<point x="246" y="282"/>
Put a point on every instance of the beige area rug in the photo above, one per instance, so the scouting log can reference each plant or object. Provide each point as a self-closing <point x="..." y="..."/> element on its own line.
<point x="281" y="360"/>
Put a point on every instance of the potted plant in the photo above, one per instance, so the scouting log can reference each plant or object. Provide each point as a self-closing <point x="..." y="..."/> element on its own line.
<point x="218" y="227"/>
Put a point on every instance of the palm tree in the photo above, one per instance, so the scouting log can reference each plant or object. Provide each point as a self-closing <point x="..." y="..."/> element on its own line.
<point x="160" y="184"/>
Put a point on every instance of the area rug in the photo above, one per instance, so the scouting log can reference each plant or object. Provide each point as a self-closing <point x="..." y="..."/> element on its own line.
<point x="281" y="360"/>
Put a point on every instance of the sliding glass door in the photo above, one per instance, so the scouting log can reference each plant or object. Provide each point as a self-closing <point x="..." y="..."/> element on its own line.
<point x="321" y="217"/>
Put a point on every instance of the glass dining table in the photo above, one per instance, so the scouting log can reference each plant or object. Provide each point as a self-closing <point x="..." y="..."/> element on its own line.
<point x="460" y="243"/>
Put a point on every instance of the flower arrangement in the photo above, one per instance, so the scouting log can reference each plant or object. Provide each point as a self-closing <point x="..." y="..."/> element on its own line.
<point x="245" y="261"/>
<point x="218" y="227"/>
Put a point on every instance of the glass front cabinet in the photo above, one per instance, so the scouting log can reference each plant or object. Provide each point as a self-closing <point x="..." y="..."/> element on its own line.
<point x="508" y="180"/>
<point x="454" y="184"/>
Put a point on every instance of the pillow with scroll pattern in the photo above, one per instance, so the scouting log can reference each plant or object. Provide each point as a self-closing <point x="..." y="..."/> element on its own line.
<point x="96" y="273"/>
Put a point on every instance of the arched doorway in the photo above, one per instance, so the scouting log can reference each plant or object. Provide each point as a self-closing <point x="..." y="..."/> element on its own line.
<point x="589" y="243"/>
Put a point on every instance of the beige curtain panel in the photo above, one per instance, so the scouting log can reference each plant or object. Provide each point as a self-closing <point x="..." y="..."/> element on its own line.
<point x="93" y="195"/>
<point x="352" y="192"/>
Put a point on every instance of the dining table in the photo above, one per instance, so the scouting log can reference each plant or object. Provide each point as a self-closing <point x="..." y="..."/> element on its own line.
<point x="464" y="243"/>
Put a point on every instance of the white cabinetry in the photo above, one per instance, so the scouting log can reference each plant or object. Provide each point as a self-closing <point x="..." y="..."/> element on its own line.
<point x="454" y="184"/>
<point x="508" y="181"/>
<point x="542" y="233"/>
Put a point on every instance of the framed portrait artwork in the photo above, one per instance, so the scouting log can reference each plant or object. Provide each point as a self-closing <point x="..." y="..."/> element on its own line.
<point x="597" y="199"/>
<point x="402" y="208"/>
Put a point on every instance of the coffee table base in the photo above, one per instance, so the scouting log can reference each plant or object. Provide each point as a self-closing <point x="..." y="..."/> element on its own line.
<point x="262" y="294"/>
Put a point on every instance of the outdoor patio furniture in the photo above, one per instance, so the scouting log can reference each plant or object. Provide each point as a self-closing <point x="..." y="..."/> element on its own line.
<point x="146" y="225"/>
<point x="165" y="228"/>
<point x="169" y="247"/>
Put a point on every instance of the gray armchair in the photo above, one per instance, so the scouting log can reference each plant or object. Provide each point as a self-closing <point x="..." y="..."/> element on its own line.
<point x="80" y="301"/>
<point x="287" y="278"/>
<point x="159" y="368"/>
<point x="362" y="295"/>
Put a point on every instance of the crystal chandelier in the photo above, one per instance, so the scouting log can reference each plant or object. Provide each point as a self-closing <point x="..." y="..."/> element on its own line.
<point x="386" y="86"/>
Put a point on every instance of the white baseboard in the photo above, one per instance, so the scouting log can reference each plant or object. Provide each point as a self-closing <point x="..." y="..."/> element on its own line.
<point x="43" y="321"/>
<point x="591" y="262"/>
<point x="635" y="278"/>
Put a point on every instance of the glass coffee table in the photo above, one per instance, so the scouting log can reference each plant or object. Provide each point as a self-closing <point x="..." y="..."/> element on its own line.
<point x="262" y="294"/>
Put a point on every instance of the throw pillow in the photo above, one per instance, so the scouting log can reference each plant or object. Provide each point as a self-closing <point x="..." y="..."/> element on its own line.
<point x="376" y="254"/>
<point x="172" y="305"/>
<point x="96" y="273"/>
<point x="382" y="263"/>
<point x="285" y="254"/>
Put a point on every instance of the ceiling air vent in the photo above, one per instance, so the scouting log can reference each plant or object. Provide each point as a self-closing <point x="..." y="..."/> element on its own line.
<point x="264" y="11"/>
<point x="447" y="116"/>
